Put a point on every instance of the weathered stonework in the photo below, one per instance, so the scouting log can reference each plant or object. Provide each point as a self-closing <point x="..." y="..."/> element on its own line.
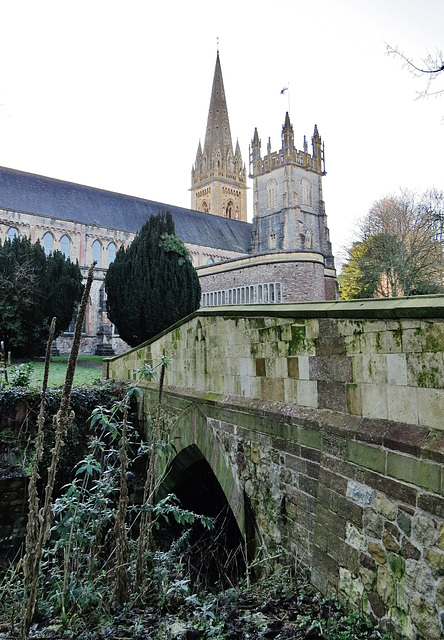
<point x="294" y="410"/>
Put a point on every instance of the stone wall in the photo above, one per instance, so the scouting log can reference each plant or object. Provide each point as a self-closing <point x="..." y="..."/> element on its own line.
<point x="302" y="276"/>
<point x="325" y="423"/>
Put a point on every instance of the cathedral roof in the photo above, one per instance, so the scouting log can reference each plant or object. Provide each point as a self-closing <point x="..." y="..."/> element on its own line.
<point x="30" y="193"/>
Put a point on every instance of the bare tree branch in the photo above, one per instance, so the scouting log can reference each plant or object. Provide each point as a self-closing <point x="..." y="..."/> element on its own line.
<point x="431" y="67"/>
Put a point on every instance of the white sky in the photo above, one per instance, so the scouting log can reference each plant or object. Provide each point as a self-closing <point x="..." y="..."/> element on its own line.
<point x="115" y="94"/>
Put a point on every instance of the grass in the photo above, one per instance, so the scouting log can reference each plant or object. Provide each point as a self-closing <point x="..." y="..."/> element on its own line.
<point x="88" y="369"/>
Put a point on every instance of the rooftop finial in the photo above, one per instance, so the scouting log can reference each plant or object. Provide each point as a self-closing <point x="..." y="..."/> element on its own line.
<point x="217" y="39"/>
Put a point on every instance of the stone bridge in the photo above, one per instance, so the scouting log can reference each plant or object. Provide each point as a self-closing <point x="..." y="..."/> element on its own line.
<point x="324" y="426"/>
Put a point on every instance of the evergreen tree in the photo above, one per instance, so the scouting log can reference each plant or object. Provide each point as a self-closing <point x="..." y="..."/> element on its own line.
<point x="152" y="284"/>
<point x="34" y="288"/>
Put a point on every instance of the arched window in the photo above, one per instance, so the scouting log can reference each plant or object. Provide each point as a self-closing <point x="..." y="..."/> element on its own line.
<point x="111" y="252"/>
<point x="48" y="243"/>
<point x="204" y="207"/>
<point x="64" y="246"/>
<point x="210" y="261"/>
<point x="307" y="192"/>
<point x="12" y="233"/>
<point x="271" y="193"/>
<point x="97" y="252"/>
<point x="229" y="210"/>
<point x="308" y="239"/>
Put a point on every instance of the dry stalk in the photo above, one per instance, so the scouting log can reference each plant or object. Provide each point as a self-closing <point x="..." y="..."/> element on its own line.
<point x="146" y="540"/>
<point x="61" y="421"/>
<point x="32" y="527"/>
<point x="120" y="532"/>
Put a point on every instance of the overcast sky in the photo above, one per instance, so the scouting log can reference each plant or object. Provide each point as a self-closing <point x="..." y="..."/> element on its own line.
<point x="115" y="94"/>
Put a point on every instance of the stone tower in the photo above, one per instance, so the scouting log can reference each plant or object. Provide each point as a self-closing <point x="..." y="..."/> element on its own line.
<point x="288" y="208"/>
<point x="218" y="177"/>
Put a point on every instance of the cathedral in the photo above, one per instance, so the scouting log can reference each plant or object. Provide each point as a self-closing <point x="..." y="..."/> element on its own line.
<point x="284" y="255"/>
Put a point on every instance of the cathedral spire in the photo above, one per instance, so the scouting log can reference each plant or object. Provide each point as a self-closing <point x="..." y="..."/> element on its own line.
<point x="218" y="144"/>
<point x="218" y="178"/>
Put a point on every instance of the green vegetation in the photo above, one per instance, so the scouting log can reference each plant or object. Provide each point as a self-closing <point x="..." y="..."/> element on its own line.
<point x="21" y="374"/>
<point x="152" y="284"/>
<point x="34" y="288"/>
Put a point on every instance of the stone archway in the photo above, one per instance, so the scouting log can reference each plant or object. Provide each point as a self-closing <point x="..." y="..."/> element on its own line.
<point x="200" y="453"/>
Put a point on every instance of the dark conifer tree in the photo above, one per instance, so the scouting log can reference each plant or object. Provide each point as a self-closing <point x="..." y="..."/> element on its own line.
<point x="152" y="284"/>
<point x="34" y="288"/>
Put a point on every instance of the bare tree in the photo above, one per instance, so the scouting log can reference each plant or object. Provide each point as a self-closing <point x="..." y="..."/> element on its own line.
<point x="429" y="68"/>
<point x="398" y="250"/>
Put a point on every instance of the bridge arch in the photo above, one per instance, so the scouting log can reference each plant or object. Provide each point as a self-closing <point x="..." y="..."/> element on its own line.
<point x="201" y="454"/>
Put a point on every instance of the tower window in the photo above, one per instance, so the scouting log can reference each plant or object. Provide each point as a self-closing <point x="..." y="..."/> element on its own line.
<point x="307" y="192"/>
<point x="271" y="193"/>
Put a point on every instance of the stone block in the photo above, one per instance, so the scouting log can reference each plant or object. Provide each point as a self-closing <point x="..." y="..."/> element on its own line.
<point x="430" y="408"/>
<point x="304" y="372"/>
<point x="374" y="401"/>
<point x="348" y="510"/>
<point x="425" y="617"/>
<point x="393" y="488"/>
<point x="331" y="395"/>
<point x="386" y="507"/>
<point x="355" y="537"/>
<point x="425" y="370"/>
<point x="307" y="393"/>
<point x="291" y="391"/>
<point x="367" y="456"/>
<point x="372" y="523"/>
<point x="350" y="327"/>
<point x="385" y="585"/>
<point x="424" y="530"/>
<point x="412" y="340"/>
<point x="421" y="473"/>
<point x="359" y="493"/>
<point x="293" y="367"/>
<point x="334" y="481"/>
<point x="406" y="438"/>
<point x="353" y="399"/>
<point x="396" y="369"/>
<point x="435" y="560"/>
<point x="370" y="368"/>
<point x="272" y="389"/>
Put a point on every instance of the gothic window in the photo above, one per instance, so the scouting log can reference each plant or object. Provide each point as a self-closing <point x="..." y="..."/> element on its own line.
<point x="271" y="193"/>
<point x="308" y="239"/>
<point x="64" y="246"/>
<point x="307" y="192"/>
<point x="204" y="207"/>
<point x="229" y="210"/>
<point x="48" y="243"/>
<point x="97" y="252"/>
<point x="12" y="233"/>
<point x="111" y="252"/>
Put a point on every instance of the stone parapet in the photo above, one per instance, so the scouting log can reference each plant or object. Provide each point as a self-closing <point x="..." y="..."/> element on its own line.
<point x="323" y="423"/>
